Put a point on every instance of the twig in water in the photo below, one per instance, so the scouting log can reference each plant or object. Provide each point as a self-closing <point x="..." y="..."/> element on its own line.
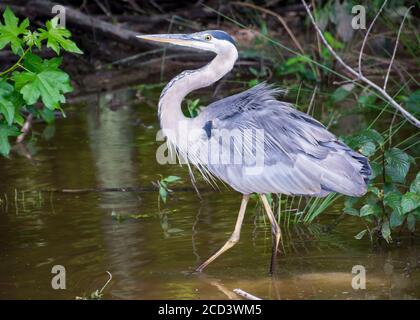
<point x="359" y="76"/>
<point x="97" y="295"/>
<point x="26" y="128"/>
<point x="245" y="295"/>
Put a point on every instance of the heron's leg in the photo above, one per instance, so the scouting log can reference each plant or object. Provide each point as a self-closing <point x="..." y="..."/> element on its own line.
<point x="275" y="229"/>
<point x="234" y="238"/>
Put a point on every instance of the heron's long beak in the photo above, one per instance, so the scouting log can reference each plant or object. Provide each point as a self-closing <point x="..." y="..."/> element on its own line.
<point x="177" y="39"/>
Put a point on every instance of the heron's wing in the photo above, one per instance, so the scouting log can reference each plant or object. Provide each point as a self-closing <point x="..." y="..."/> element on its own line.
<point x="300" y="155"/>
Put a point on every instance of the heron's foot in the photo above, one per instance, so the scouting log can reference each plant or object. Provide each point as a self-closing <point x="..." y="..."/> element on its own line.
<point x="229" y="244"/>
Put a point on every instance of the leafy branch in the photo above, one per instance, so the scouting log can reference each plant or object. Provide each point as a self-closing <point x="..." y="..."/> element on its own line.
<point x="32" y="87"/>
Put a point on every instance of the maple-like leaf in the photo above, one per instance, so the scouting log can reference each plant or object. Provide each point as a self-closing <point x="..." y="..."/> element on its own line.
<point x="57" y="37"/>
<point x="42" y="80"/>
<point x="11" y="31"/>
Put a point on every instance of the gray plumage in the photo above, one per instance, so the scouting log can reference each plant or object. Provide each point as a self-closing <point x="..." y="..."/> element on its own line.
<point x="301" y="156"/>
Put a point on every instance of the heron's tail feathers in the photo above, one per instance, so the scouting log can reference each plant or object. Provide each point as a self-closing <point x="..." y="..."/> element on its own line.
<point x="350" y="175"/>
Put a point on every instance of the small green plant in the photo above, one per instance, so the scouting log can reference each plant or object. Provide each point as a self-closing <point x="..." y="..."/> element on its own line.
<point x="262" y="73"/>
<point x="297" y="65"/>
<point x="298" y="209"/>
<point x="163" y="185"/>
<point x="392" y="201"/>
<point x="193" y="107"/>
<point x="31" y="79"/>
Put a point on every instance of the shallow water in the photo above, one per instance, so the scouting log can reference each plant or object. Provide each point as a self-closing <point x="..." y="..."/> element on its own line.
<point x="151" y="252"/>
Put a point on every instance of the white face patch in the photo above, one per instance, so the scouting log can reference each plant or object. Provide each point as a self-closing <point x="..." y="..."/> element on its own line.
<point x="223" y="46"/>
<point x="209" y="42"/>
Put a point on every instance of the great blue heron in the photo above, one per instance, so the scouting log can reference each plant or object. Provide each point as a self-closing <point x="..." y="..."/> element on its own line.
<point x="299" y="155"/>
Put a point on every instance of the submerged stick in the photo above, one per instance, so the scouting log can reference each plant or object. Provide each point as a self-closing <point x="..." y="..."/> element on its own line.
<point x="245" y="294"/>
<point x="117" y="189"/>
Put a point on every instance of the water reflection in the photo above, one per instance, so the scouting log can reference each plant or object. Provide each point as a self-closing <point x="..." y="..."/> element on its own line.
<point x="111" y="138"/>
<point x="99" y="147"/>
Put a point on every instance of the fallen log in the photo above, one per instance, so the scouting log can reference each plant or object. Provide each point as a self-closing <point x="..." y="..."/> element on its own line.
<point x="87" y="22"/>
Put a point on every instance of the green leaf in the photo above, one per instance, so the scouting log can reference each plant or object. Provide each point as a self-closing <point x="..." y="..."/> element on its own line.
<point x="171" y="179"/>
<point x="365" y="141"/>
<point x="367" y="149"/>
<point x="367" y="99"/>
<point x="415" y="185"/>
<point x="335" y="44"/>
<point x="253" y="83"/>
<point x="348" y="206"/>
<point x="397" y="164"/>
<point x="351" y="211"/>
<point x="11" y="31"/>
<point x="375" y="191"/>
<point x="376" y="169"/>
<point x="373" y="136"/>
<point x="413" y="102"/>
<point x="393" y="200"/>
<point x="163" y="194"/>
<point x="32" y="39"/>
<point x="193" y="107"/>
<point x="350" y="201"/>
<point x="47" y="115"/>
<point x="49" y="85"/>
<point x="58" y="37"/>
<point x="410" y="201"/>
<point x="5" y="133"/>
<point x="386" y="231"/>
<point x="370" y="209"/>
<point x="411" y="222"/>
<point x="36" y="64"/>
<point x="7" y="107"/>
<point x="396" y="219"/>
<point x="361" y="234"/>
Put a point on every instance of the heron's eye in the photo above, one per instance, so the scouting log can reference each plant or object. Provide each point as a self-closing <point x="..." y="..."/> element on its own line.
<point x="207" y="37"/>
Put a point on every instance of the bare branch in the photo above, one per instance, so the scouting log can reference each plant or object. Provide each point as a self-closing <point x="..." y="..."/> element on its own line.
<point x="396" y="46"/>
<point x="337" y="57"/>
<point x="367" y="34"/>
<point x="26" y="128"/>
<point x="360" y="76"/>
<point x="279" y="17"/>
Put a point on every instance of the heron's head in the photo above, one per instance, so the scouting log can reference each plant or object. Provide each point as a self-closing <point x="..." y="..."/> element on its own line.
<point x="212" y="40"/>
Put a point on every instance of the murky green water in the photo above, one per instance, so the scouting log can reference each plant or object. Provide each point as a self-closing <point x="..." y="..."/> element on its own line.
<point x="152" y="256"/>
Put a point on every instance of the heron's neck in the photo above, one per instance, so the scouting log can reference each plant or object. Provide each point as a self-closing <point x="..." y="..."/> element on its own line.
<point x="170" y="112"/>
